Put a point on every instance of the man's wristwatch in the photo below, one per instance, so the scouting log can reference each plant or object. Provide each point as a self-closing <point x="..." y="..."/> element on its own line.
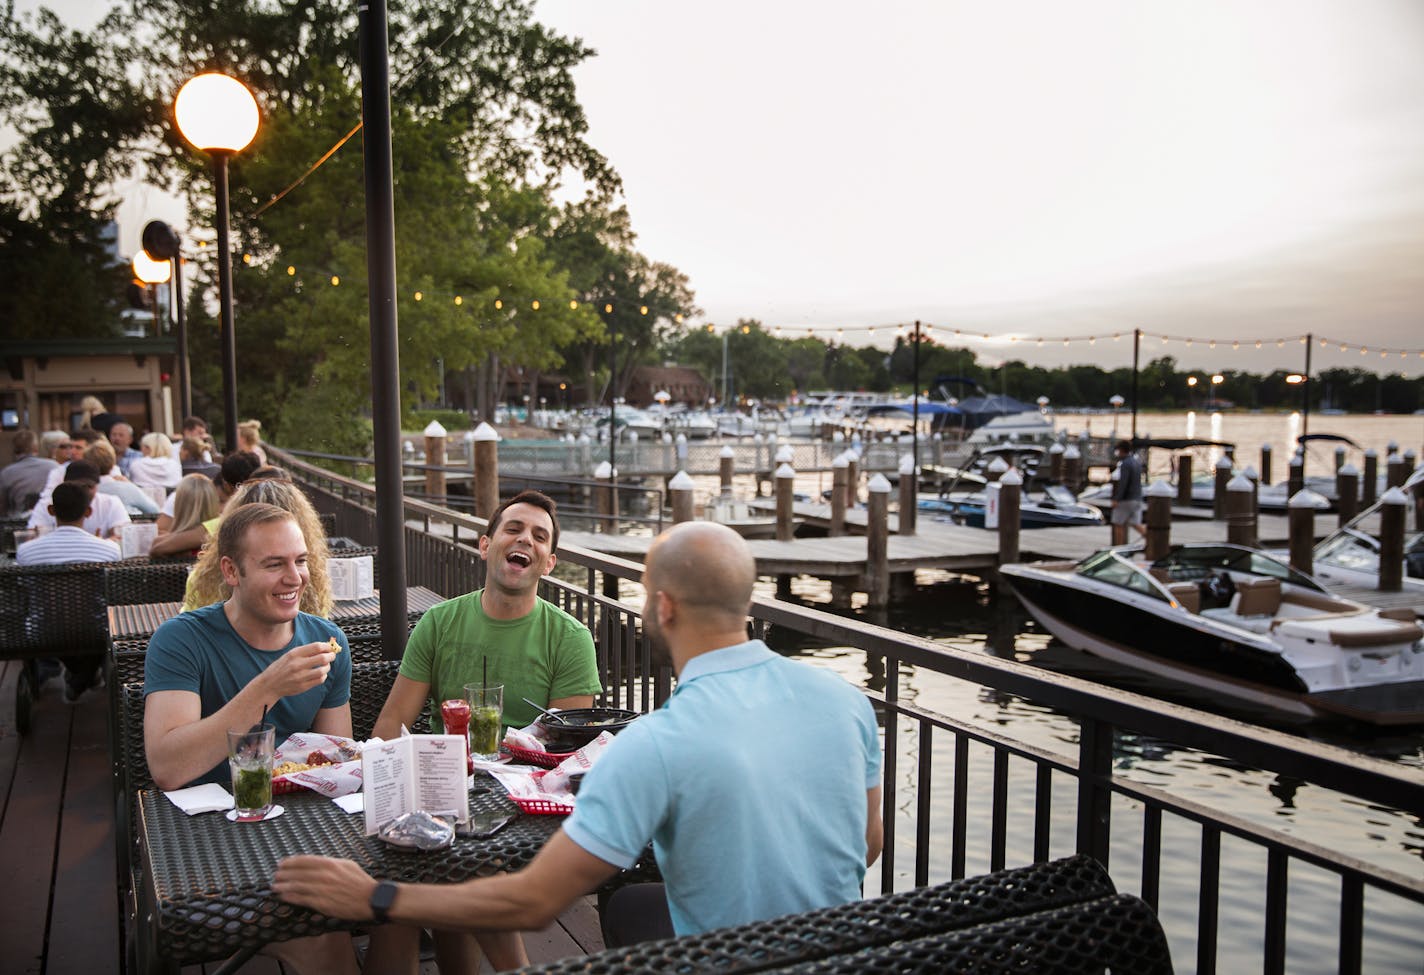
<point x="381" y="900"/>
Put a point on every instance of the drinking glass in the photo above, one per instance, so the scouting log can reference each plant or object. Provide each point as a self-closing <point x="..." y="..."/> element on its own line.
<point x="486" y="719"/>
<point x="249" y="757"/>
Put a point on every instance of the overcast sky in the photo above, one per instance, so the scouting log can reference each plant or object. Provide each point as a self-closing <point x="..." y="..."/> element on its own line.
<point x="1228" y="169"/>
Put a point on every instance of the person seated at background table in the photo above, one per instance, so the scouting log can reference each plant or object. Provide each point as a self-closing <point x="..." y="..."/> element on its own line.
<point x="506" y="632"/>
<point x="236" y="468"/>
<point x="224" y="666"/>
<point x="135" y="500"/>
<point x="197" y="428"/>
<point x="249" y="438"/>
<point x="194" y="503"/>
<point x="70" y="449"/>
<point x="107" y="513"/>
<point x="121" y="435"/>
<point x="757" y="783"/>
<point x="158" y="467"/>
<point x="69" y="505"/>
<point x="190" y="456"/>
<point x="23" y="479"/>
<point x="207" y="584"/>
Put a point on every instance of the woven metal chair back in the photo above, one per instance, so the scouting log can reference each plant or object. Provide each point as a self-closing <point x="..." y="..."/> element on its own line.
<point x="370" y="686"/>
<point x="52" y="610"/>
<point x="134" y="774"/>
<point x="149" y="582"/>
<point x="825" y="936"/>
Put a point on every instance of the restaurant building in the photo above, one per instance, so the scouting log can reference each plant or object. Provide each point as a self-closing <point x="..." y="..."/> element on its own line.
<point x="43" y="381"/>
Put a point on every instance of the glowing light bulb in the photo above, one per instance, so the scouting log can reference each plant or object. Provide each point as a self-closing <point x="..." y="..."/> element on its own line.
<point x="335" y="280"/>
<point x="459" y="299"/>
<point x="419" y="296"/>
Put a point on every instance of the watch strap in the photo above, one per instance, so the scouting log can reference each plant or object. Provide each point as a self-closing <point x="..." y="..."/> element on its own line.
<point x="381" y="900"/>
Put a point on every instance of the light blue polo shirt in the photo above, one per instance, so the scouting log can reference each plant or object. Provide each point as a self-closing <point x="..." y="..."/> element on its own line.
<point x="751" y="784"/>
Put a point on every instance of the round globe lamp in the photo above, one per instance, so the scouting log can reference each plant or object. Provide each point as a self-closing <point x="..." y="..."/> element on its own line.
<point x="151" y="274"/>
<point x="218" y="115"/>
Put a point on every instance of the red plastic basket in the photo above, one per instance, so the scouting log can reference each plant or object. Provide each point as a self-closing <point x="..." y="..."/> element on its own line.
<point x="542" y="759"/>
<point x="283" y="786"/>
<point x="541" y="807"/>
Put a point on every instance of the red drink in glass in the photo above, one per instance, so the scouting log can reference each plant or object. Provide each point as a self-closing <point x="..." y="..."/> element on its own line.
<point x="456" y="715"/>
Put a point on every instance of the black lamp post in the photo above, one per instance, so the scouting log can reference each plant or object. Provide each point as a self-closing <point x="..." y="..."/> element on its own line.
<point x="161" y="243"/>
<point x="218" y="115"/>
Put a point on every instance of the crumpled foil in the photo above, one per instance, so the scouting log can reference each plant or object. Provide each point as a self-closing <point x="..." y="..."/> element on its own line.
<point x="418" y="830"/>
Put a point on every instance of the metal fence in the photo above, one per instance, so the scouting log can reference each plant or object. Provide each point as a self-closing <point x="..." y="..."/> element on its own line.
<point x="1106" y="811"/>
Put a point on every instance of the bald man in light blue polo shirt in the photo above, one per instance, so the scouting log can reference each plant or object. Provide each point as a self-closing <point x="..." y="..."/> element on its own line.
<point x="758" y="784"/>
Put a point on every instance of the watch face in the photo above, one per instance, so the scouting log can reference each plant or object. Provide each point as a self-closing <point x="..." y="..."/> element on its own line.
<point x="382" y="898"/>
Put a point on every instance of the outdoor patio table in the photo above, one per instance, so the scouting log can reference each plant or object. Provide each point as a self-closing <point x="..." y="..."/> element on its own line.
<point x="205" y="889"/>
<point x="140" y="620"/>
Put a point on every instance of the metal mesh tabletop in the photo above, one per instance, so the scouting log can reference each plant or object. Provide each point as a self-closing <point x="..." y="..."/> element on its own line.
<point x="208" y="881"/>
<point x="136" y="620"/>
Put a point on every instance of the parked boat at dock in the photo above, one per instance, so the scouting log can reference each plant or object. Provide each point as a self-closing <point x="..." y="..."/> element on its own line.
<point x="1235" y="621"/>
<point x="1350" y="556"/>
<point x="963" y="492"/>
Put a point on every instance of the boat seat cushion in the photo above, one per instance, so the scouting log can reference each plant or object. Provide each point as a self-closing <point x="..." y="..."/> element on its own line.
<point x="1257" y="597"/>
<point x="1187" y="594"/>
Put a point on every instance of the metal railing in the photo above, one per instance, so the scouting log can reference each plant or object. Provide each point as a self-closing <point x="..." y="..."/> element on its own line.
<point x="1103" y="802"/>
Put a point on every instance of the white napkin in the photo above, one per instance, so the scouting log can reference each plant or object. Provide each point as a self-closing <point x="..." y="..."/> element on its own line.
<point x="354" y="803"/>
<point x="208" y="797"/>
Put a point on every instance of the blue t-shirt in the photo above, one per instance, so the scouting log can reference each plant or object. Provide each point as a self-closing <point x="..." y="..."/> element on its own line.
<point x="751" y="784"/>
<point x="200" y="652"/>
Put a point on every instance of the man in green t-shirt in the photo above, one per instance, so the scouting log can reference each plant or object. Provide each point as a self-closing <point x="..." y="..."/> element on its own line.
<point x="505" y="634"/>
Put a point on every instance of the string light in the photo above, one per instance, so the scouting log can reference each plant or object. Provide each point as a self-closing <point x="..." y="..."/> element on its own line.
<point x="642" y="309"/>
<point x="498" y="304"/>
<point x="534" y="304"/>
<point x="608" y="309"/>
<point x="419" y="296"/>
<point x="677" y="318"/>
<point x="459" y="299"/>
<point x="247" y="258"/>
<point x="573" y="305"/>
<point x="291" y="271"/>
<point x="335" y="280"/>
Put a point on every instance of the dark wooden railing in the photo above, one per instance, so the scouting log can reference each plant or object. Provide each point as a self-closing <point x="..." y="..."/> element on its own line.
<point x="442" y="555"/>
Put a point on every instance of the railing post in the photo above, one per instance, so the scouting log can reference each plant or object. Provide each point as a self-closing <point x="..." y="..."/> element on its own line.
<point x="1095" y="744"/>
<point x="890" y="720"/>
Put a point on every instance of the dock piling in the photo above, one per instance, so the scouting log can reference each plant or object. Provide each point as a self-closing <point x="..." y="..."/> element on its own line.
<point x="1159" y="519"/>
<point x="1010" y="488"/>
<point x="1301" y="512"/>
<point x="1394" y="472"/>
<point x="486" y="460"/>
<point x="435" y="462"/>
<point x="1391" y="553"/>
<point x="1295" y="475"/>
<point x="877" y="542"/>
<point x="725" y="468"/>
<point x="1347" y="492"/>
<point x="1369" y="487"/>
<point x="1055" y="462"/>
<point x="1240" y="513"/>
<point x="840" y="470"/>
<point x="1266" y="454"/>
<point x="1223" y="477"/>
<point x="909" y="493"/>
<point x="785" y="482"/>
<point x="1073" y="468"/>
<point x="1184" y="480"/>
<point x="680" y="491"/>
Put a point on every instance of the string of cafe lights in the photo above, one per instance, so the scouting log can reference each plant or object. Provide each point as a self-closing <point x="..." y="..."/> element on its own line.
<point x="930" y="332"/>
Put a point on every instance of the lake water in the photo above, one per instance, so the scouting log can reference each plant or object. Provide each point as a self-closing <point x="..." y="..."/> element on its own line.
<point x="967" y="614"/>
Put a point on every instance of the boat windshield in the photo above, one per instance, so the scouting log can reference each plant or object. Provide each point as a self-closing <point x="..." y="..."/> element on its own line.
<point x="1113" y="568"/>
<point x="1198" y="562"/>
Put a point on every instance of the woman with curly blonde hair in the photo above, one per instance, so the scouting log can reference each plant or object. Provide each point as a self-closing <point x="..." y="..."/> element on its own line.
<point x="205" y="582"/>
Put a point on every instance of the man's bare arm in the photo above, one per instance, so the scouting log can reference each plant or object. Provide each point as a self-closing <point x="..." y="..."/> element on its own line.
<point x="525" y="901"/>
<point x="402" y="707"/>
<point x="874" y="827"/>
<point x="182" y="745"/>
<point x="333" y="721"/>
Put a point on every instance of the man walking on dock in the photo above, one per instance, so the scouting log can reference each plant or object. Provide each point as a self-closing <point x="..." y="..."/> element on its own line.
<point x="1126" y="494"/>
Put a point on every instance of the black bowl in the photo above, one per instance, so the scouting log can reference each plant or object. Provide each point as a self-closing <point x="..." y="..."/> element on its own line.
<point x="582" y="725"/>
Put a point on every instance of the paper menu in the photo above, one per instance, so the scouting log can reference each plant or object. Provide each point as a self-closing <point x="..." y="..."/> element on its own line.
<point x="136" y="538"/>
<point x="414" y="772"/>
<point x="352" y="578"/>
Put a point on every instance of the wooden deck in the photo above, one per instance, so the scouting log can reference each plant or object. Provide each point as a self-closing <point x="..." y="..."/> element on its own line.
<point x="61" y="914"/>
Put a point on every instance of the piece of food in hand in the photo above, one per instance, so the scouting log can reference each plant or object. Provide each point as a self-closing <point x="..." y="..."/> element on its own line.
<point x="335" y="646"/>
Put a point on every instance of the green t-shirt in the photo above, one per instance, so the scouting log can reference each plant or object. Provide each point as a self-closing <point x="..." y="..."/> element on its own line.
<point x="543" y="656"/>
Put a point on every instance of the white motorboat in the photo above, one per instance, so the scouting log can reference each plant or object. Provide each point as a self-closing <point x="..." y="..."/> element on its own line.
<point x="1235" y="621"/>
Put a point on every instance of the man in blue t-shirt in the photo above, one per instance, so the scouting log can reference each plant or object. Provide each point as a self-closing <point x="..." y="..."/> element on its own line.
<point x="758" y="784"/>
<point x="219" y="667"/>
